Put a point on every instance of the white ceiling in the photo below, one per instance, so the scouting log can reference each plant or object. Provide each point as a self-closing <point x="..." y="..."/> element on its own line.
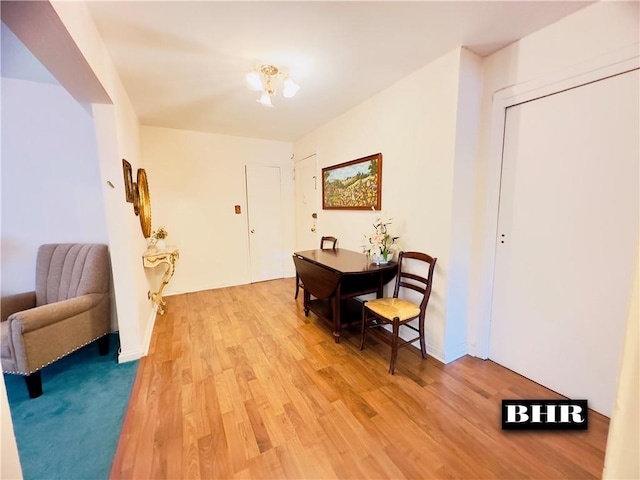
<point x="184" y="64"/>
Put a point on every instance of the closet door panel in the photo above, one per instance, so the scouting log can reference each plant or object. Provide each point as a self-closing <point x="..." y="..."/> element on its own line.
<point x="568" y="237"/>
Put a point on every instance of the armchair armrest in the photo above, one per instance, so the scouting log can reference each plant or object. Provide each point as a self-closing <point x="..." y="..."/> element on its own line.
<point x="16" y="303"/>
<point x="38" y="317"/>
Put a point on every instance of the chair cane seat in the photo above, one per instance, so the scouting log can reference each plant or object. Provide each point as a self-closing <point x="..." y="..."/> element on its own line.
<point x="394" y="307"/>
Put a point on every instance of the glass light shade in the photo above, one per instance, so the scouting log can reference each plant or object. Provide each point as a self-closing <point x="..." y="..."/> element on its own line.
<point x="265" y="99"/>
<point x="290" y="88"/>
<point x="254" y="82"/>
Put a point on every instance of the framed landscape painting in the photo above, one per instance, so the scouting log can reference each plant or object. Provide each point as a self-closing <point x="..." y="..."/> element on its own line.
<point x="354" y="185"/>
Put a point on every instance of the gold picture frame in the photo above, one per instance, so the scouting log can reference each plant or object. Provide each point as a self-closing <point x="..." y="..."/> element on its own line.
<point x="128" y="181"/>
<point x="354" y="185"/>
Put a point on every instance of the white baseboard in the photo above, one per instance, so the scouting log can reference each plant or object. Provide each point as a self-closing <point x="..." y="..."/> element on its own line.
<point x="130" y="356"/>
<point x="137" y="354"/>
<point x="435" y="351"/>
<point x="147" y="335"/>
<point x="456" y="352"/>
<point x="448" y="355"/>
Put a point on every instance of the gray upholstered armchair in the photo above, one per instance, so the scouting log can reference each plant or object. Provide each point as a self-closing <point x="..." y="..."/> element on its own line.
<point x="69" y="309"/>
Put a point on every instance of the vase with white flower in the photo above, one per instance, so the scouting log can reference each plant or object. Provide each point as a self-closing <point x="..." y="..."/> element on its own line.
<point x="381" y="245"/>
<point x="158" y="238"/>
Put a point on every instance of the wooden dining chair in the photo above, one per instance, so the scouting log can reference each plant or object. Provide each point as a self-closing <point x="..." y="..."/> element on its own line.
<point x="399" y="312"/>
<point x="325" y="243"/>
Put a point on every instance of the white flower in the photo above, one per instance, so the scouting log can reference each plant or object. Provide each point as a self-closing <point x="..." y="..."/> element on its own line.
<point x="380" y="242"/>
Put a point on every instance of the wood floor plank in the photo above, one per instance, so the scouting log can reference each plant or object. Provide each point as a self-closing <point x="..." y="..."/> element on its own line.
<point x="296" y="462"/>
<point x="238" y="383"/>
<point x="258" y="425"/>
<point x="241" y="441"/>
<point x="189" y="451"/>
<point x="267" y="465"/>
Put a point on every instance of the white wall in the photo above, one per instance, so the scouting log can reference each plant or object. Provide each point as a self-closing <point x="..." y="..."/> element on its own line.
<point x="50" y="178"/>
<point x="548" y="56"/>
<point x="467" y="118"/>
<point x="50" y="188"/>
<point x="196" y="179"/>
<point x="117" y="135"/>
<point x="414" y="123"/>
<point x="55" y="31"/>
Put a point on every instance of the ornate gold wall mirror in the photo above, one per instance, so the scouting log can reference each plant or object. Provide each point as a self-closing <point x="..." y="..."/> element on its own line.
<point x="144" y="203"/>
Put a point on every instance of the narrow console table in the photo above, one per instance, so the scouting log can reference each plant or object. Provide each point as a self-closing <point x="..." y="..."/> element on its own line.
<point x="155" y="257"/>
<point x="334" y="278"/>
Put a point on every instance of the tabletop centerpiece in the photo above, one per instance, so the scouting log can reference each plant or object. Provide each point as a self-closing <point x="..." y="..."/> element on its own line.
<point x="380" y="245"/>
<point x="158" y="238"/>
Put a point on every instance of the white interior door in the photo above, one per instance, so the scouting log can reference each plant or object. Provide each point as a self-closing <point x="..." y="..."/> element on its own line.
<point x="306" y="185"/>
<point x="568" y="236"/>
<point x="264" y="217"/>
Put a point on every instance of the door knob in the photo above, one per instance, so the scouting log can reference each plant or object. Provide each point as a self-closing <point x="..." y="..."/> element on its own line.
<point x="313" y="229"/>
<point x="253" y="231"/>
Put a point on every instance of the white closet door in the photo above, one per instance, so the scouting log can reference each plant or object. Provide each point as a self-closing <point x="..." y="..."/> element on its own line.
<point x="568" y="237"/>
<point x="264" y="215"/>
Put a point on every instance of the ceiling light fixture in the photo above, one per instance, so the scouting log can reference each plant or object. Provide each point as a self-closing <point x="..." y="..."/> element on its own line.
<point x="264" y="80"/>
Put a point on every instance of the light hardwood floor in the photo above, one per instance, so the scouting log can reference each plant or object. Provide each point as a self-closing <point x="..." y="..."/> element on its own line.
<point x="238" y="383"/>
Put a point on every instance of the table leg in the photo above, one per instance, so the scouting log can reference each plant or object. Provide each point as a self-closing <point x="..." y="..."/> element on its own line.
<point x="337" y="326"/>
<point x="156" y="297"/>
<point x="307" y="298"/>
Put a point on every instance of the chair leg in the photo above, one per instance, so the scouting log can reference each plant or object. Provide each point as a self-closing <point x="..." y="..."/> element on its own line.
<point x="103" y="345"/>
<point x="297" y="285"/>
<point x="394" y="345"/>
<point x="34" y="384"/>
<point x="423" y="346"/>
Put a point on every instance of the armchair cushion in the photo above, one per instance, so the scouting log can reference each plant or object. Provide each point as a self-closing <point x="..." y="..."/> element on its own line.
<point x="69" y="309"/>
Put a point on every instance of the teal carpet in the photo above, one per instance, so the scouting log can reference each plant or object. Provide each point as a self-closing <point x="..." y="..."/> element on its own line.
<point x="72" y="430"/>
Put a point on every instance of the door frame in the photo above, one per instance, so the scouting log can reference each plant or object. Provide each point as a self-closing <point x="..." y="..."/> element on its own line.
<point x="315" y="199"/>
<point x="618" y="62"/>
